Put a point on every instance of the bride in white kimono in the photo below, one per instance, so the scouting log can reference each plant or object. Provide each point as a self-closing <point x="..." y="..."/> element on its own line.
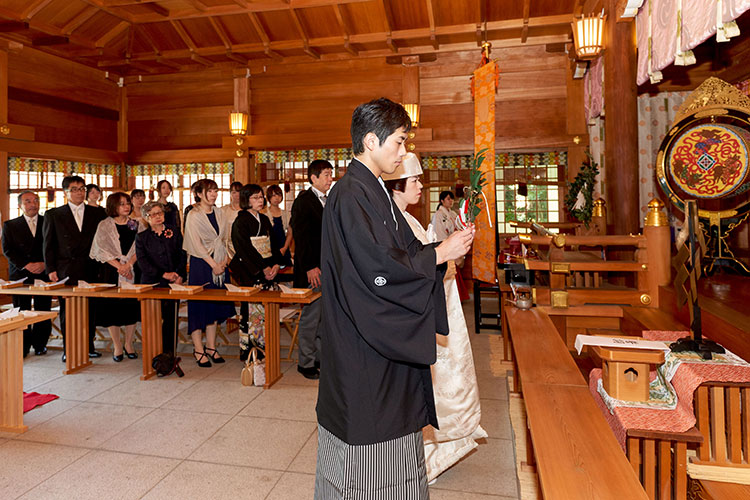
<point x="453" y="375"/>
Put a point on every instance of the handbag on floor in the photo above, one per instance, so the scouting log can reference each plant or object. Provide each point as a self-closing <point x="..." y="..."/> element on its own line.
<point x="167" y="363"/>
<point x="254" y="372"/>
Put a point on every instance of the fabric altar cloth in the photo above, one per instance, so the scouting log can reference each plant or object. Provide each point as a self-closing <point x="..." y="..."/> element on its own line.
<point x="687" y="378"/>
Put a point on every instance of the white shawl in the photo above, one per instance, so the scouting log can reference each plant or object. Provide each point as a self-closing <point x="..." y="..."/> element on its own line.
<point x="201" y="240"/>
<point x="106" y="244"/>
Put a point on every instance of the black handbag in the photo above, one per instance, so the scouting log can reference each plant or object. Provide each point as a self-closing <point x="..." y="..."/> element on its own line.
<point x="167" y="363"/>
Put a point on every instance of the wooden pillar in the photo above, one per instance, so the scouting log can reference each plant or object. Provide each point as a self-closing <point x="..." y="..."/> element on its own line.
<point x="244" y="166"/>
<point x="575" y="124"/>
<point x="4" y="179"/>
<point x="621" y="124"/>
<point x="122" y="137"/>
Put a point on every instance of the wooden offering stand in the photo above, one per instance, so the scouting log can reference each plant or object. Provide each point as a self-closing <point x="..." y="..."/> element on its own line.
<point x="625" y="372"/>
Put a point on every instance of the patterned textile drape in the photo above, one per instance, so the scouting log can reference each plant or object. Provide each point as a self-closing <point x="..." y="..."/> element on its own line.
<point x="226" y="167"/>
<point x="667" y="30"/>
<point x="67" y="167"/>
<point x="303" y="155"/>
<point x="501" y="160"/>
<point x="655" y="116"/>
<point x="593" y="89"/>
<point x="484" y="260"/>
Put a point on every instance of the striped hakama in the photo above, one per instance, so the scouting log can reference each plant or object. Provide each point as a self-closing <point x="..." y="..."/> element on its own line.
<point x="393" y="469"/>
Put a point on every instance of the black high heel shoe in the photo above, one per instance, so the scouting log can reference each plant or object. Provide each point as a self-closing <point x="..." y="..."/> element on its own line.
<point x="199" y="360"/>
<point x="119" y="357"/>
<point x="215" y="356"/>
<point x="130" y="355"/>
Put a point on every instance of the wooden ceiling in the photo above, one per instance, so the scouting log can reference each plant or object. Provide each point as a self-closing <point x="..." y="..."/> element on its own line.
<point x="131" y="37"/>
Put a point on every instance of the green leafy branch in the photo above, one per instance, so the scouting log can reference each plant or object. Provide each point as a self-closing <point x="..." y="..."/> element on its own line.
<point x="477" y="180"/>
<point x="583" y="183"/>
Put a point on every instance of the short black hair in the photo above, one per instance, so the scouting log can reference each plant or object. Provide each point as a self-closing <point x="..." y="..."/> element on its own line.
<point x="137" y="192"/>
<point x="274" y="189"/>
<point x="382" y="117"/>
<point x="113" y="202"/>
<point x="446" y="194"/>
<point x="396" y="185"/>
<point x="316" y="167"/>
<point x="70" y="179"/>
<point x="89" y="187"/>
<point x="24" y="193"/>
<point x="201" y="186"/>
<point x="235" y="186"/>
<point x="246" y="192"/>
<point x="161" y="183"/>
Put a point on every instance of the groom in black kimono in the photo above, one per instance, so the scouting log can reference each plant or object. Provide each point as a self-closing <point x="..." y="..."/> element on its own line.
<point x="383" y="302"/>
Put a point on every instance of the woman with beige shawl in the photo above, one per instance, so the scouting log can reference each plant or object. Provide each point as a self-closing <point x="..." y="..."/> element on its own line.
<point x="205" y="243"/>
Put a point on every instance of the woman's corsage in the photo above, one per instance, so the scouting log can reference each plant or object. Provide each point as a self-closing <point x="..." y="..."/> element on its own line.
<point x="168" y="233"/>
<point x="133" y="224"/>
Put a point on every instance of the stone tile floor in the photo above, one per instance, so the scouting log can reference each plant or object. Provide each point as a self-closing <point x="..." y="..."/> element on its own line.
<point x="111" y="435"/>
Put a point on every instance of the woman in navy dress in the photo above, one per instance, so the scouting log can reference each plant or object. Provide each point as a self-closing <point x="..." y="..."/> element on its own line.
<point x="114" y="246"/>
<point x="281" y="233"/>
<point x="162" y="260"/>
<point x="205" y="244"/>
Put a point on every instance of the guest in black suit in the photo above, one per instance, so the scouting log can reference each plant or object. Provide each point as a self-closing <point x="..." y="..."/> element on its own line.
<point x="306" y="222"/>
<point x="162" y="260"/>
<point x="22" y="245"/>
<point x="256" y="260"/>
<point x="68" y="233"/>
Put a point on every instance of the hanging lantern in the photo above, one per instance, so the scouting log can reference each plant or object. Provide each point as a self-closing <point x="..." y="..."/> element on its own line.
<point x="238" y="123"/>
<point x="413" y="111"/>
<point x="588" y="34"/>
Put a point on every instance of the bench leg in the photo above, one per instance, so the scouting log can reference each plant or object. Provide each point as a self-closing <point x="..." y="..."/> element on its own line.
<point x="273" y="363"/>
<point x="76" y="334"/>
<point x="150" y="334"/>
<point x="11" y="382"/>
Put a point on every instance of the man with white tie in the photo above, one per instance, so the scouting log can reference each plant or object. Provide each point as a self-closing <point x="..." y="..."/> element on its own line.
<point x="22" y="245"/>
<point x="68" y="233"/>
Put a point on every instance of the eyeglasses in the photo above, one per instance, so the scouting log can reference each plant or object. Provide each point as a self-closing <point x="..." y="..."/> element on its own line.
<point x="153" y="214"/>
<point x="258" y="197"/>
<point x="77" y="189"/>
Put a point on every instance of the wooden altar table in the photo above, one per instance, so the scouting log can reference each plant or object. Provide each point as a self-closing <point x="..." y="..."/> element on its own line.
<point x="11" y="370"/>
<point x="77" y="310"/>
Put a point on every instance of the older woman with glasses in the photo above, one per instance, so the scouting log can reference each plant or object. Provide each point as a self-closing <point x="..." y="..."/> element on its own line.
<point x="256" y="260"/>
<point x="163" y="261"/>
<point x="114" y="245"/>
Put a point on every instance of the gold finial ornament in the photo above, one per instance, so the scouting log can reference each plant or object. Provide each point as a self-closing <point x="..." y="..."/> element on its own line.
<point x="716" y="95"/>
<point x="5" y="130"/>
<point x="656" y="217"/>
<point x="486" y="46"/>
<point x="600" y="208"/>
<point x="645" y="299"/>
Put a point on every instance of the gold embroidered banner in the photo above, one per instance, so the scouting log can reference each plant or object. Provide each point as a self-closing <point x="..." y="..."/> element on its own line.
<point x="484" y="260"/>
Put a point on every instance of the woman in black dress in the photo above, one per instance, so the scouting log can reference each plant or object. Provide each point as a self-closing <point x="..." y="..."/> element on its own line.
<point x="162" y="260"/>
<point x="256" y="260"/>
<point x="171" y="212"/>
<point x="114" y="246"/>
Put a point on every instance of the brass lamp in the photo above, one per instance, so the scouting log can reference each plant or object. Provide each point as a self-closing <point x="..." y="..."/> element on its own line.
<point x="588" y="34"/>
<point x="413" y="111"/>
<point x="238" y="128"/>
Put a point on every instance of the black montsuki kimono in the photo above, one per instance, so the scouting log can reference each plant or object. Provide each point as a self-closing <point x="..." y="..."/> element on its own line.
<point x="383" y="301"/>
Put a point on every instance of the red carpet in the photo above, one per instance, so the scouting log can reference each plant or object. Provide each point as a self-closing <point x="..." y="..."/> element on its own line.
<point x="33" y="399"/>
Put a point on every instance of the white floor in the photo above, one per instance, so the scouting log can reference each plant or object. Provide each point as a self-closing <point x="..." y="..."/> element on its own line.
<point x="111" y="435"/>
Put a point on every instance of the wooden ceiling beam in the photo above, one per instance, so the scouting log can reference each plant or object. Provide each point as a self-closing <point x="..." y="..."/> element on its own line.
<point x="131" y="41"/>
<point x="144" y="34"/>
<point x="431" y="19"/>
<point x="241" y="3"/>
<point x="236" y="8"/>
<point x="118" y="13"/>
<point x="34" y="8"/>
<point x="259" y="29"/>
<point x="303" y="34"/>
<point x="11" y="26"/>
<point x="180" y="29"/>
<point x="234" y="57"/>
<point x="219" y="29"/>
<point x="344" y="29"/>
<point x="202" y="60"/>
<point x="78" y="20"/>
<point x="162" y="11"/>
<point x="111" y="34"/>
<point x="168" y="63"/>
<point x="198" y="5"/>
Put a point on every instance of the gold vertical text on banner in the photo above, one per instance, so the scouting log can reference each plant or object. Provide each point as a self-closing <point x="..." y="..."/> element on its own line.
<point x="483" y="253"/>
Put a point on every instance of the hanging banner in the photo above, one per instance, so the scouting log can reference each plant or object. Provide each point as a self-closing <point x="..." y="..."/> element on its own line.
<point x="484" y="260"/>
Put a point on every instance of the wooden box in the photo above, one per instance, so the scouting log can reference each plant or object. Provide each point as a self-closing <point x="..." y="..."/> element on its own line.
<point x="298" y="293"/>
<point x="93" y="287"/>
<point x="190" y="290"/>
<point x="44" y="288"/>
<point x="137" y="289"/>
<point x="244" y="291"/>
<point x="625" y="372"/>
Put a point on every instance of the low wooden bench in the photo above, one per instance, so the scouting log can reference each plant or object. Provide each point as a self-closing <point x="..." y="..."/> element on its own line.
<point x="571" y="444"/>
<point x="636" y="319"/>
<point x="715" y="490"/>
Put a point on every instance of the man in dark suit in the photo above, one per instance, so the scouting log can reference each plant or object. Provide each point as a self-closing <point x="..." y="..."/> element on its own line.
<point x="306" y="222"/>
<point x="22" y="245"/>
<point x="68" y="233"/>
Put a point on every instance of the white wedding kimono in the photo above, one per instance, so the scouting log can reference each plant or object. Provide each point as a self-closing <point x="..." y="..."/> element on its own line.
<point x="454" y="383"/>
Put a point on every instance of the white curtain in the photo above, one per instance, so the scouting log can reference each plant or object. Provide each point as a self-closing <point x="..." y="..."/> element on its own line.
<point x="667" y="30"/>
<point x="655" y="116"/>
